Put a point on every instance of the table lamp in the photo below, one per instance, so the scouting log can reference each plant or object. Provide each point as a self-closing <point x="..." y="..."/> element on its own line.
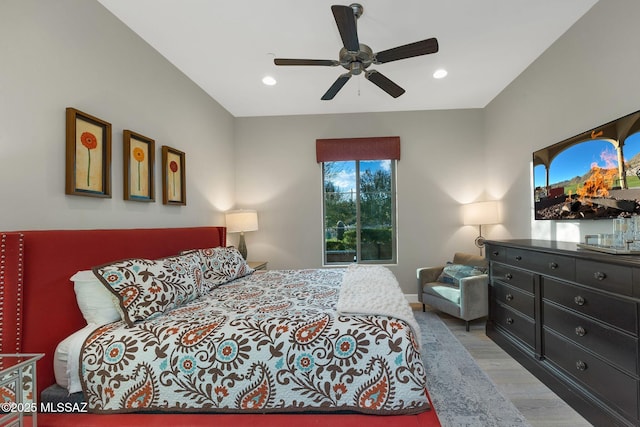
<point x="481" y="213"/>
<point x="239" y="221"/>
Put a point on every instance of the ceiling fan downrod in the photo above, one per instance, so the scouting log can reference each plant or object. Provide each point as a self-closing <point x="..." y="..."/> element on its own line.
<point x="357" y="9"/>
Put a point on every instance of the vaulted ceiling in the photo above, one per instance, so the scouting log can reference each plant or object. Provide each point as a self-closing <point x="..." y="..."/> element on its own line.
<point x="227" y="48"/>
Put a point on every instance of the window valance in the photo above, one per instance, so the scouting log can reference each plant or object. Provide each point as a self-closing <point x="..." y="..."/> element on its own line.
<point x="368" y="148"/>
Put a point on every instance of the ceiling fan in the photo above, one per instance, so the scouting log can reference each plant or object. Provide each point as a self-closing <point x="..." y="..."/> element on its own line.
<point x="357" y="57"/>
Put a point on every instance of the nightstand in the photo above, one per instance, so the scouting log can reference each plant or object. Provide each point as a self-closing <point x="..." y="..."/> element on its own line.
<point x="18" y="378"/>
<point x="258" y="265"/>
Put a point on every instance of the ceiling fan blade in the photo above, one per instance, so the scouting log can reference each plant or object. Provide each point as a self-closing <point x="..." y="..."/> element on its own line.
<point x="346" y="21"/>
<point x="410" y="50"/>
<point x="336" y="86"/>
<point x="287" y="61"/>
<point x="384" y="83"/>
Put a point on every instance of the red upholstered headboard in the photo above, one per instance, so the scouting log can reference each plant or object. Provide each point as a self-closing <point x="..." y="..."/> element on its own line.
<point x="38" y="305"/>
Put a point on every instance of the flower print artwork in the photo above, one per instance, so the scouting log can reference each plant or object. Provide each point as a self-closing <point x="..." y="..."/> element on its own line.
<point x="138" y="166"/>
<point x="88" y="155"/>
<point x="173" y="171"/>
<point x="138" y="155"/>
<point x="90" y="141"/>
<point x="174" y="168"/>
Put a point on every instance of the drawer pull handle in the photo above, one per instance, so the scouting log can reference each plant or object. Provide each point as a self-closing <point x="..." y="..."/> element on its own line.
<point x="509" y="297"/>
<point x="509" y="321"/>
<point x="599" y="275"/>
<point x="579" y="300"/>
<point x="581" y="366"/>
<point x="518" y="258"/>
<point x="495" y="253"/>
<point x="508" y="276"/>
<point x="580" y="331"/>
<point x="553" y="265"/>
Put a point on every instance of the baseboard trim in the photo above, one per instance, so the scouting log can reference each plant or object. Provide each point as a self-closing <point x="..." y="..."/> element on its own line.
<point x="412" y="298"/>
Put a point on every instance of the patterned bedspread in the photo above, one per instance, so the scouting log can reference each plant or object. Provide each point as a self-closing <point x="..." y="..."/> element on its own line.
<point x="268" y="342"/>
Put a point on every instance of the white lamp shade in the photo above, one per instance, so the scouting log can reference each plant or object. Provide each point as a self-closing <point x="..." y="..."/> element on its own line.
<point x="241" y="220"/>
<point x="481" y="213"/>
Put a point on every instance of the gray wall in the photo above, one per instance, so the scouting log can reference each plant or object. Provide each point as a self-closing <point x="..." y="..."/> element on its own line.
<point x="441" y="166"/>
<point x="589" y="77"/>
<point x="74" y="53"/>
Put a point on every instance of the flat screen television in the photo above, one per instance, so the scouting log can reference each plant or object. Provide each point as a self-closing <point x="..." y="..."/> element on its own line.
<point x="593" y="175"/>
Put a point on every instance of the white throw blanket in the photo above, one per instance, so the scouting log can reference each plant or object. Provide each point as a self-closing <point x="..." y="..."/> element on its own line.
<point x="368" y="289"/>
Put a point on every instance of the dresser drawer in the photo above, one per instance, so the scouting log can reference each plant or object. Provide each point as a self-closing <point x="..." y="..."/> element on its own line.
<point x="495" y="253"/>
<point x="518" y="325"/>
<point x="514" y="298"/>
<point x="618" y="348"/>
<point x="613" y="386"/>
<point x="513" y="276"/>
<point x="609" y="277"/>
<point x="614" y="311"/>
<point x="560" y="266"/>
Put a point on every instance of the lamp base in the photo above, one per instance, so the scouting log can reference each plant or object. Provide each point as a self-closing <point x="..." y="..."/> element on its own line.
<point x="480" y="240"/>
<point x="242" y="247"/>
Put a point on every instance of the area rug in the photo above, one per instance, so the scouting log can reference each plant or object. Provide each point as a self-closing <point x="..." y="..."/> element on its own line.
<point x="462" y="394"/>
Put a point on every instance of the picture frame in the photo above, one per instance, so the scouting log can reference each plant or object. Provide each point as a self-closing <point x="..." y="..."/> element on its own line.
<point x="173" y="177"/>
<point x="138" y="166"/>
<point x="88" y="155"/>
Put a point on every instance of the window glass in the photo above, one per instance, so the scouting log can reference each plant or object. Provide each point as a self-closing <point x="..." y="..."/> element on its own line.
<point x="359" y="211"/>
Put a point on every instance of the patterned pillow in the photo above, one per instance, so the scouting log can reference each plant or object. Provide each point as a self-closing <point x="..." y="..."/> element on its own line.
<point x="147" y="288"/>
<point x="452" y="273"/>
<point x="220" y="265"/>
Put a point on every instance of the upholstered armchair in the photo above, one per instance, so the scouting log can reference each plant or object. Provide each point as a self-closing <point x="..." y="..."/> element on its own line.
<point x="463" y="293"/>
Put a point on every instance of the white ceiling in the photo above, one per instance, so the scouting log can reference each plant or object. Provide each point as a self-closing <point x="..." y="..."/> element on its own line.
<point x="227" y="47"/>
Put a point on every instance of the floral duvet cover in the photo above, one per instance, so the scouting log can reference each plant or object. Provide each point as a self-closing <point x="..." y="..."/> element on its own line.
<point x="268" y="342"/>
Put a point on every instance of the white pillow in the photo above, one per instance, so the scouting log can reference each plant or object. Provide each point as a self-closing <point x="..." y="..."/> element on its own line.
<point x="67" y="359"/>
<point x="97" y="304"/>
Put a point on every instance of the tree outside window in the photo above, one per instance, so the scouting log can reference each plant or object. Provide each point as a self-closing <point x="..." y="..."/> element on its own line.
<point x="359" y="211"/>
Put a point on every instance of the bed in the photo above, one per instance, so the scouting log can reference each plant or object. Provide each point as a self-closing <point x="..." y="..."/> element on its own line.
<point x="36" y="272"/>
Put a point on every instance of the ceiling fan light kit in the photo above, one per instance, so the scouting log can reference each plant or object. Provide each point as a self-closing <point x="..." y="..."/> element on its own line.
<point x="356" y="57"/>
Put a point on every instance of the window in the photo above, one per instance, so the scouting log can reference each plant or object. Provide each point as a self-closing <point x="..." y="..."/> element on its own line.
<point x="359" y="199"/>
<point x="359" y="211"/>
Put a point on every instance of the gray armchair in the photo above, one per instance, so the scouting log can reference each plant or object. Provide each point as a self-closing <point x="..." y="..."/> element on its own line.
<point x="468" y="301"/>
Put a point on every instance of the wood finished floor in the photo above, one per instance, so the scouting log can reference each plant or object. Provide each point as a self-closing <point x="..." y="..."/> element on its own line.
<point x="534" y="400"/>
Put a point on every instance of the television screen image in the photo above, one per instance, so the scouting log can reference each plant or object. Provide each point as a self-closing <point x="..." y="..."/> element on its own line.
<point x="593" y="175"/>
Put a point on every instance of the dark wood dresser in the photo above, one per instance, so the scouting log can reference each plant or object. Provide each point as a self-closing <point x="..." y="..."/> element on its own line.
<point x="570" y="316"/>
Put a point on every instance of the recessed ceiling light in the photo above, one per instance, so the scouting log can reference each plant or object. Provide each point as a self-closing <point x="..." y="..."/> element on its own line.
<point x="269" y="81"/>
<point x="440" y="74"/>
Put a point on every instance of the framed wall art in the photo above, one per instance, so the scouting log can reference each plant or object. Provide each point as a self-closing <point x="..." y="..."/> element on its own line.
<point x="139" y="159"/>
<point x="173" y="177"/>
<point x="88" y="155"/>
